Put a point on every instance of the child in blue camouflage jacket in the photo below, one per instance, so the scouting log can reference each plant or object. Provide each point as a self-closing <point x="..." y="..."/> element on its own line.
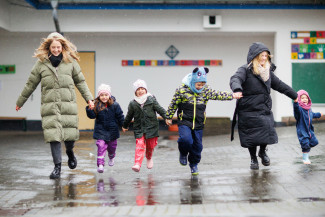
<point x="190" y="101"/>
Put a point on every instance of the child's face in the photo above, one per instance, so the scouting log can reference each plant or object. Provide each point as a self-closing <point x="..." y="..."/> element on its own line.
<point x="104" y="97"/>
<point x="199" y="85"/>
<point x="304" y="99"/>
<point x="140" y="91"/>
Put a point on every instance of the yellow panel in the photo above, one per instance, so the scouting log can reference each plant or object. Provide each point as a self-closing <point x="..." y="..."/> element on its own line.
<point x="87" y="64"/>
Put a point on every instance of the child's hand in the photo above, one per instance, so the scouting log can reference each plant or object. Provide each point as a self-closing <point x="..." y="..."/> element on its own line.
<point x="237" y="95"/>
<point x="296" y="100"/>
<point x="124" y="130"/>
<point x="168" y="122"/>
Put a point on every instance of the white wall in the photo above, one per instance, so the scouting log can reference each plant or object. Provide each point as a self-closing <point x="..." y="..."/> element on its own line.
<point x="4" y="14"/>
<point x="115" y="35"/>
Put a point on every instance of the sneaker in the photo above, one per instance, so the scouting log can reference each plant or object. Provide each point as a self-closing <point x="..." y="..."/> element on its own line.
<point x="194" y="170"/>
<point x="100" y="169"/>
<point x="149" y="163"/>
<point x="254" y="164"/>
<point x="305" y="158"/>
<point x="265" y="159"/>
<point x="136" y="168"/>
<point x="182" y="159"/>
<point x="111" y="162"/>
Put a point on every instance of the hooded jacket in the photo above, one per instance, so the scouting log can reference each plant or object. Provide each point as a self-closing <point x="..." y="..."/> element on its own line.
<point x="107" y="121"/>
<point x="304" y="117"/>
<point x="254" y="109"/>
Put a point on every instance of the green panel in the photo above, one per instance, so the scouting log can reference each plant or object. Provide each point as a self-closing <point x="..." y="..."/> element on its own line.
<point x="7" y="69"/>
<point x="310" y="77"/>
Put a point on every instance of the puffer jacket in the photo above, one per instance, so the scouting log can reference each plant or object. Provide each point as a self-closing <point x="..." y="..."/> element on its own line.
<point x="254" y="109"/>
<point x="145" y="119"/>
<point x="191" y="106"/>
<point x="59" y="110"/>
<point x="107" y="121"/>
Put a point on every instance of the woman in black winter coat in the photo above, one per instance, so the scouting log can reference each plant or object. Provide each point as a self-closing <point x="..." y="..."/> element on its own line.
<point x="254" y="81"/>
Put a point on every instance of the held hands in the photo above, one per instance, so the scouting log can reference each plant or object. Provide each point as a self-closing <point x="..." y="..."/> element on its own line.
<point x="296" y="100"/>
<point x="168" y="122"/>
<point x="124" y="130"/>
<point x="17" y="108"/>
<point x="91" y="104"/>
<point x="237" y="95"/>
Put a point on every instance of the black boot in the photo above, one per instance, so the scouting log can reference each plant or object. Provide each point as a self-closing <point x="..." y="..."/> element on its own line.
<point x="56" y="172"/>
<point x="72" y="161"/>
<point x="265" y="159"/>
<point x="254" y="163"/>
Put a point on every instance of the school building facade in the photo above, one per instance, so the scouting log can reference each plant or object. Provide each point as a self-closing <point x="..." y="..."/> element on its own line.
<point x="161" y="43"/>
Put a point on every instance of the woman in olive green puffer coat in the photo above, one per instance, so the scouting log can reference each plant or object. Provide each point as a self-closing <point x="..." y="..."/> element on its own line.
<point x="58" y="72"/>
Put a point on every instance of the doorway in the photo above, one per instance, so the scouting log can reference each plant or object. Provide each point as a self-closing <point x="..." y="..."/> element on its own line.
<point x="87" y="64"/>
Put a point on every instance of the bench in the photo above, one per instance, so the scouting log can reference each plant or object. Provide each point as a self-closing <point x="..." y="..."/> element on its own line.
<point x="13" y="123"/>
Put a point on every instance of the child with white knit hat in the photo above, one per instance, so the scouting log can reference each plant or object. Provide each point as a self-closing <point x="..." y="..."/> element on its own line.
<point x="109" y="117"/>
<point x="143" y="109"/>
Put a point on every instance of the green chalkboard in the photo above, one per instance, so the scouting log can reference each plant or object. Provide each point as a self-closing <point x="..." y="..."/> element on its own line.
<point x="310" y="77"/>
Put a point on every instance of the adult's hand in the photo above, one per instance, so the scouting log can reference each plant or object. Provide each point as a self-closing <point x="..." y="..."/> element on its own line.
<point x="124" y="130"/>
<point x="237" y="95"/>
<point x="17" y="108"/>
<point x="91" y="104"/>
<point x="296" y="100"/>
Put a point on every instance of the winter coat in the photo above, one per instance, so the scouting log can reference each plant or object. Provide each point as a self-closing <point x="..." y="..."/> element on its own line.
<point x="59" y="108"/>
<point x="145" y="119"/>
<point x="107" y="122"/>
<point x="254" y="109"/>
<point x="191" y="106"/>
<point x="305" y="128"/>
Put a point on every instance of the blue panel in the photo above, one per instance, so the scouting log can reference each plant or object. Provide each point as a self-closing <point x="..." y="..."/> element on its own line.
<point x="87" y="6"/>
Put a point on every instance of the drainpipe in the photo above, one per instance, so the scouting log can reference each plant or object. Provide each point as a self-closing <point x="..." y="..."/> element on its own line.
<point x="54" y="4"/>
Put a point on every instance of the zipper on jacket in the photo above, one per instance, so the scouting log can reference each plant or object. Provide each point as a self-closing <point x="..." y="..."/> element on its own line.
<point x="309" y="124"/>
<point x="194" y="111"/>
<point x="205" y="117"/>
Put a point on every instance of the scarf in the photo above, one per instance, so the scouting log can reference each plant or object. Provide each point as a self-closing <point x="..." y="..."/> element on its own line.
<point x="264" y="71"/>
<point x="142" y="99"/>
<point x="55" y="60"/>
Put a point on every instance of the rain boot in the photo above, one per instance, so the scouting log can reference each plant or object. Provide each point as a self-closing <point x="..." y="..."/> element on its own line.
<point x="254" y="163"/>
<point x="56" y="172"/>
<point x="72" y="161"/>
<point x="265" y="159"/>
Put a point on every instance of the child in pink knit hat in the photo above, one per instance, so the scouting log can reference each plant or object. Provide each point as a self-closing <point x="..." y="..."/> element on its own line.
<point x="305" y="129"/>
<point x="143" y="109"/>
<point x="109" y="117"/>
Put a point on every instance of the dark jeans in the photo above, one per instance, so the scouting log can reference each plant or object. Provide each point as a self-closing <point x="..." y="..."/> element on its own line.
<point x="190" y="143"/>
<point x="57" y="152"/>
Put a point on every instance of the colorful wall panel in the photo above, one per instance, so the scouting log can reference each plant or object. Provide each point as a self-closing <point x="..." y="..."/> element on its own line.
<point x="308" y="45"/>
<point x="171" y="62"/>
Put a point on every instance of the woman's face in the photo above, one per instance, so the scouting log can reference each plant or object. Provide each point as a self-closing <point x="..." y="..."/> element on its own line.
<point x="140" y="91"/>
<point x="56" y="48"/>
<point x="262" y="58"/>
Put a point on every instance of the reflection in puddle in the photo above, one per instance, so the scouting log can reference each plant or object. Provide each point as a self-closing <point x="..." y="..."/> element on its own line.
<point x="191" y="192"/>
<point x="261" y="187"/>
<point x="107" y="195"/>
<point x="145" y="195"/>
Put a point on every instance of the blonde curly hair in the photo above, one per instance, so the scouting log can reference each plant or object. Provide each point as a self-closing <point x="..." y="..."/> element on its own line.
<point x="69" y="50"/>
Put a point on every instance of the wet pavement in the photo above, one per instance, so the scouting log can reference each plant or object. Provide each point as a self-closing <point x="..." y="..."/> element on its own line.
<point x="225" y="186"/>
